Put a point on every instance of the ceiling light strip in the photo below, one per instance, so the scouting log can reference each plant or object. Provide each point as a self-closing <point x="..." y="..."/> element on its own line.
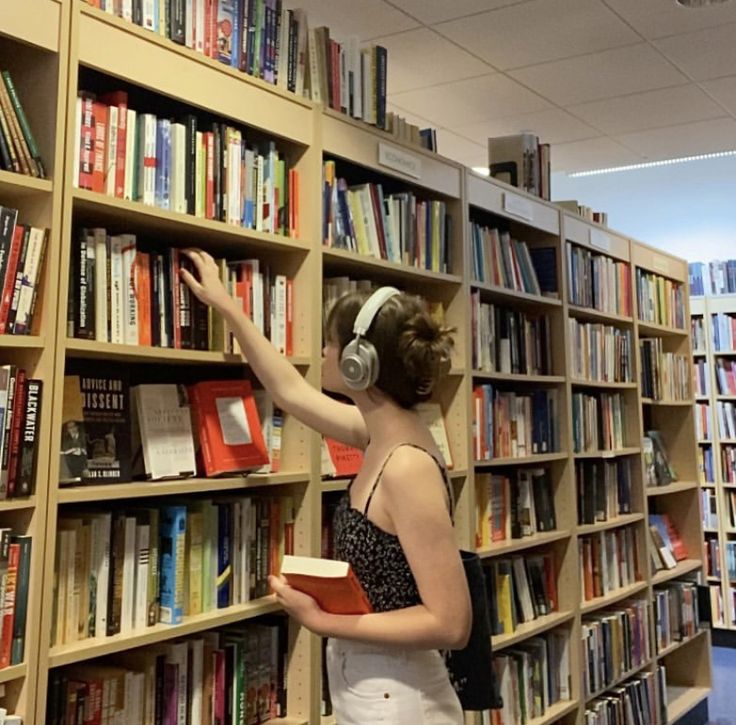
<point x="652" y="164"/>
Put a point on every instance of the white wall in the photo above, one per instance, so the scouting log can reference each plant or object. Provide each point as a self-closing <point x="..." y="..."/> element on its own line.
<point x="687" y="209"/>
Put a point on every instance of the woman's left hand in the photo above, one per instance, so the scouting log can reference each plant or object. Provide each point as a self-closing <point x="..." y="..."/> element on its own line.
<point x="297" y="604"/>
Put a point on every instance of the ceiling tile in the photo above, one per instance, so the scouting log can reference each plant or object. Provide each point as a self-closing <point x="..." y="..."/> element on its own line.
<point x="539" y="31"/>
<point x="460" y="149"/>
<point x="437" y="11"/>
<point x="597" y="153"/>
<point x="552" y="126"/>
<point x="470" y="101"/>
<point x="601" y="75"/>
<point x="724" y="91"/>
<point x="703" y="54"/>
<point x="420" y="57"/>
<point x="664" y="107"/>
<point x="688" y="139"/>
<point x="364" y="18"/>
<point x="658" y="18"/>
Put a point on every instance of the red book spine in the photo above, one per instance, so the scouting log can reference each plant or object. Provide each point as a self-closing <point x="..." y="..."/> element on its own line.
<point x="10" y="274"/>
<point x="143" y="296"/>
<point x="6" y="635"/>
<point x="100" y="148"/>
<point x="19" y="409"/>
<point x="289" y="317"/>
<point x="210" y="166"/>
<point x="86" y="144"/>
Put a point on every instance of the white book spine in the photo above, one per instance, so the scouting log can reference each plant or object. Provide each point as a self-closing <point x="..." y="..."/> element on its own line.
<point x="30" y="279"/>
<point x="188" y="25"/>
<point x="149" y="14"/>
<point x="130" y="136"/>
<point x="282" y="77"/>
<point x="279" y="338"/>
<point x="117" y="290"/>
<point x="102" y="556"/>
<point x="129" y="566"/>
<point x="142" y="557"/>
<point x="129" y="300"/>
<point x="77" y="142"/>
<point x="259" y="193"/>
<point x="72" y="590"/>
<point x="101" y="311"/>
<point x="199" y="29"/>
<point x="200" y="163"/>
<point x="149" y="169"/>
<point x="127" y="10"/>
<point x="196" y="686"/>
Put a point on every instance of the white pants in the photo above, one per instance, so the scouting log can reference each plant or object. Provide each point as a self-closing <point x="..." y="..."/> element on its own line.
<point x="373" y="684"/>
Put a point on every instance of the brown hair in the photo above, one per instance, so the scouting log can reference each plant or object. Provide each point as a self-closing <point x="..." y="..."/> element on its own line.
<point x="413" y="349"/>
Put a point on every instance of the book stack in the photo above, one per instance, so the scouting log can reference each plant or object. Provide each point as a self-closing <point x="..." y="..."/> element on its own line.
<point x="712" y="278"/>
<point x="676" y="614"/>
<point x="724" y="332"/>
<point x="597" y="422"/>
<point x="726" y="416"/>
<point x="231" y="674"/>
<point x="604" y="489"/>
<point x="660" y="300"/>
<point x="642" y="699"/>
<point x="598" y="281"/>
<point x="658" y="469"/>
<point x="398" y="227"/>
<point x="600" y="352"/>
<point x="586" y="212"/>
<point x="667" y="545"/>
<point x="15" y="571"/>
<point x="521" y="161"/>
<point x="703" y="423"/>
<point x="208" y="170"/>
<point x="18" y="148"/>
<point x="609" y="561"/>
<point x="664" y="375"/>
<point x="408" y="133"/>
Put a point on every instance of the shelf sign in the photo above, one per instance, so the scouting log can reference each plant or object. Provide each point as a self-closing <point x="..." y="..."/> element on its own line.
<point x="399" y="160"/>
<point x="518" y="206"/>
<point x="661" y="264"/>
<point x="600" y="239"/>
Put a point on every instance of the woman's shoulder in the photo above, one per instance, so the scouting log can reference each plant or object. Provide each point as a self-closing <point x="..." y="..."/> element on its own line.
<point x="412" y="466"/>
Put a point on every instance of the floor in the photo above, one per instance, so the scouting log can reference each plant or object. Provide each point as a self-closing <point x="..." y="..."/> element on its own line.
<point x="721" y="704"/>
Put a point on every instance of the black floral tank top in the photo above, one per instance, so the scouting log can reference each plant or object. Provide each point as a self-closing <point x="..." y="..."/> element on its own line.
<point x="375" y="555"/>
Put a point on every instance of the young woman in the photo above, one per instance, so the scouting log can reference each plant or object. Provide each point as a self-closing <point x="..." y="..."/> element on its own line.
<point x="394" y="525"/>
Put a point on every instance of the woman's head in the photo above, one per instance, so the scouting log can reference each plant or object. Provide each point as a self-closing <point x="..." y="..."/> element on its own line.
<point x="413" y="349"/>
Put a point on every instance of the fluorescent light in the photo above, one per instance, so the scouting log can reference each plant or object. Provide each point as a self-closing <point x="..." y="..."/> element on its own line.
<point x="652" y="164"/>
<point x="482" y="170"/>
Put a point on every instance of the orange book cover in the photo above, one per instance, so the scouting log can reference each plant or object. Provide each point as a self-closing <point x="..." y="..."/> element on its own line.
<point x="678" y="546"/>
<point x="227" y="425"/>
<point x="346" y="459"/>
<point x="331" y="583"/>
<point x="142" y="288"/>
<point x="99" y="163"/>
<point x="289" y="316"/>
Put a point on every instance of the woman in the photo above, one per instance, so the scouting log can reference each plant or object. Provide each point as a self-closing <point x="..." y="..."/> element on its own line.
<point x="394" y="524"/>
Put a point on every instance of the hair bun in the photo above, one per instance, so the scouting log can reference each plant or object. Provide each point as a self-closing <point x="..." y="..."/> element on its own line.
<point x="426" y="348"/>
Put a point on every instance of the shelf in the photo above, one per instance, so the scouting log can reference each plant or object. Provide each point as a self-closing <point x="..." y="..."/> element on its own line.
<point x="726" y="397"/>
<point x="43" y="32"/>
<point x="554" y="713"/>
<point x="362" y="263"/>
<point x="705" y="443"/>
<point x="99" y="647"/>
<point x="17" y="504"/>
<point x="631" y="673"/>
<point x="618" y="453"/>
<point x="144" y="489"/>
<point x="588" y="313"/>
<point x="23" y="342"/>
<point x="530" y="629"/>
<point x="519" y="378"/>
<point x="511" y="546"/>
<point x="208" y="233"/>
<point x="676" y="645"/>
<point x="340" y="484"/>
<point x="511" y="296"/>
<point x="19" y="185"/>
<point x="603" y="384"/>
<point x="675" y="487"/>
<point x="683" y="567"/>
<point x="146" y="354"/>
<point x="14" y="672"/>
<point x="612" y="597"/>
<point x="524" y="460"/>
<point x="724" y="353"/>
<point x="651" y="328"/>
<point x="680" y="700"/>
<point x="669" y="403"/>
<point x="700" y="353"/>
<point x="621" y="520"/>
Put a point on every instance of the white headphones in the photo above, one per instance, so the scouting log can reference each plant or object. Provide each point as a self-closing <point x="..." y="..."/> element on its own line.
<point x="359" y="364"/>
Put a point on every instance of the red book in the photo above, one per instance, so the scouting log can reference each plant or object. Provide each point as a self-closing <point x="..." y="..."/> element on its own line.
<point x="142" y="280"/>
<point x="331" y="583"/>
<point x="345" y="459"/>
<point x="227" y="424"/>
<point x="10" y="275"/>
<point x="6" y="634"/>
<point x="119" y="99"/>
<point x="99" y="161"/>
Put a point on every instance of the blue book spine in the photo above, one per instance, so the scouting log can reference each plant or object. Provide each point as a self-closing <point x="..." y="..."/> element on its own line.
<point x="173" y="527"/>
<point x="159" y="188"/>
<point x="167" y="164"/>
<point x="237" y="30"/>
<point x="224" y="565"/>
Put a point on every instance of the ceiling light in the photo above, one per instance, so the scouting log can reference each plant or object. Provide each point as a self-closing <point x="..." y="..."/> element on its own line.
<point x="698" y="3"/>
<point x="652" y="164"/>
<point x="482" y="170"/>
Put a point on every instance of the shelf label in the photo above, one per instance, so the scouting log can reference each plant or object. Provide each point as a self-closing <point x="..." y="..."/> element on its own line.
<point x="399" y="160"/>
<point x="518" y="206"/>
<point x="600" y="239"/>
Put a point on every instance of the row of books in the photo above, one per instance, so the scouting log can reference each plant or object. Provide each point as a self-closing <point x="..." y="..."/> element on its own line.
<point x="726" y="376"/>
<point x="712" y="278"/>
<point x="597" y="281"/>
<point x="731" y="561"/>
<point x="664" y="375"/>
<point x="15" y="573"/>
<point x="20" y="420"/>
<point x="123" y="571"/>
<point x="234" y="674"/>
<point x="701" y="377"/>
<point x="709" y="508"/>
<point x="706" y="469"/>
<point x="718" y="612"/>
<point x="600" y="352"/>
<point x="667" y="547"/>
<point x="598" y="422"/>
<point x="127" y="291"/>
<point x="603" y="489"/>
<point x="728" y="463"/>
<point x="703" y="422"/>
<point x="19" y="151"/>
<point x="641" y="700"/>
<point x="660" y="300"/>
<point x="507" y="510"/>
<point x="676" y="613"/>
<point x="586" y="212"/>
<point x="658" y="468"/>
<point x="521" y="161"/>
<point x="697" y="333"/>
<point x="509" y="341"/>
<point x="502" y="261"/>
<point x="22" y="258"/>
<point x="208" y="170"/>
<point x="730" y="501"/>
<point x="712" y="550"/>
<point x="532" y="677"/>
<point x="724" y="332"/>
<point x="608" y="561"/>
<point x="615" y="641"/>
<point x="726" y="417"/>
<point x="521" y="588"/>
<point x="513" y="425"/>
<point x="398" y="227"/>
<point x="114" y="434"/>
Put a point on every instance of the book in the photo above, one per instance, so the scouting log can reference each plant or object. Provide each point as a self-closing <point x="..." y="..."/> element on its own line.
<point x="339" y="459"/>
<point x="73" y="454"/>
<point x="431" y="415"/>
<point x="332" y="583"/>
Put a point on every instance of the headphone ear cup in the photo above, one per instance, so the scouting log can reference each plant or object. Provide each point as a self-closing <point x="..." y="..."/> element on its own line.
<point x="359" y="364"/>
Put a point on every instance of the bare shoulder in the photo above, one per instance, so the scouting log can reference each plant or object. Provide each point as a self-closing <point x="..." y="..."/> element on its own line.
<point x="412" y="474"/>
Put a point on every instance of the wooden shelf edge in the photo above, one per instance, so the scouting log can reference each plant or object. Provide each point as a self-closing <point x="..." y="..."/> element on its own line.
<point x="684" y="701"/>
<point x="519" y="377"/>
<point x="534" y="459"/>
<point x="677" y="645"/>
<point x="582" y="383"/>
<point x="614" y="523"/>
<point x="527" y="542"/>
<point x="675" y="487"/>
<point x="686" y="566"/>
<point x="586" y="607"/>
<point x="17" y="504"/>
<point x="629" y="451"/>
<point x="591" y="313"/>
<point x="631" y="673"/>
<point x="23" y="184"/>
<point x="530" y="629"/>
<point x="14" y="672"/>
<point x="515" y="295"/>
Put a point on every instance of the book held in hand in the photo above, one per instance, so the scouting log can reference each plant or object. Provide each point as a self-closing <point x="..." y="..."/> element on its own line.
<point x="331" y="583"/>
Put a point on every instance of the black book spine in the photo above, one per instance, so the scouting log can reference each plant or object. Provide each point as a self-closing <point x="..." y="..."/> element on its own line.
<point x="381" y="71"/>
<point x="169" y="291"/>
<point x="190" y="172"/>
<point x="82" y="279"/>
<point x="8" y="220"/>
<point x="138" y="12"/>
<point x="156" y="273"/>
<point x="115" y="584"/>
<point x="177" y="21"/>
<point x="6" y="162"/>
<point x="292" y="61"/>
<point x="28" y="454"/>
<point x="245" y="8"/>
<point x="217" y="170"/>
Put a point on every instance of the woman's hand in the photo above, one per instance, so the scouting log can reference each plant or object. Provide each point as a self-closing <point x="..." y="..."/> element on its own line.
<point x="208" y="288"/>
<point x="297" y="604"/>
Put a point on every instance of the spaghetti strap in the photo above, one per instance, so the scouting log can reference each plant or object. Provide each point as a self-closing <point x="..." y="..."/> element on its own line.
<point x="440" y="465"/>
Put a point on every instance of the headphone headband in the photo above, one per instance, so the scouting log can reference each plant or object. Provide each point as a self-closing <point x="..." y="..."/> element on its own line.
<point x="371" y="307"/>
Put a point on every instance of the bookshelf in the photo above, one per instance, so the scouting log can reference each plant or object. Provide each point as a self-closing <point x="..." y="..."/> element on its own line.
<point x="709" y="354"/>
<point x="69" y="46"/>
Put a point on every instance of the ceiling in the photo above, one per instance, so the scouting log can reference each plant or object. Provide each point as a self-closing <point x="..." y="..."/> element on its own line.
<point x="606" y="82"/>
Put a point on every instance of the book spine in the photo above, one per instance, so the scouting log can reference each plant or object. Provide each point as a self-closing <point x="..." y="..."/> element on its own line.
<point x="6" y="634"/>
<point x="28" y="455"/>
<point x="17" y="652"/>
<point x="224" y="565"/>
